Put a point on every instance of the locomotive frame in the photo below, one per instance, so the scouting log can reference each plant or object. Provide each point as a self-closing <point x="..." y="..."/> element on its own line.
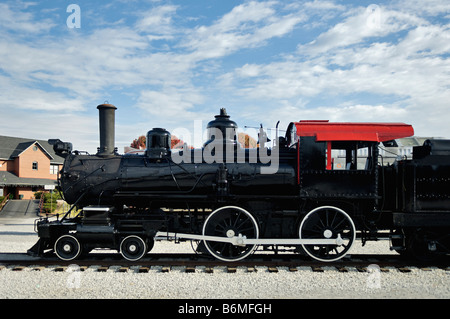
<point x="310" y="203"/>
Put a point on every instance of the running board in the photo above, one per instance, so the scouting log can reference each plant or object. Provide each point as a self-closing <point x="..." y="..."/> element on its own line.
<point x="243" y="240"/>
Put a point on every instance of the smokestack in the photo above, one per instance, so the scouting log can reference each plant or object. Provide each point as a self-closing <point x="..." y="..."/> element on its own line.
<point x="106" y="121"/>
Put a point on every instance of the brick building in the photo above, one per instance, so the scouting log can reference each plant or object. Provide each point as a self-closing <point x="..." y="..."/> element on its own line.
<point x="26" y="166"/>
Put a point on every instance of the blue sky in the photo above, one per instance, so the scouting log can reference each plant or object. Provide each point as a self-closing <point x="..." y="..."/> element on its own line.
<point x="171" y="63"/>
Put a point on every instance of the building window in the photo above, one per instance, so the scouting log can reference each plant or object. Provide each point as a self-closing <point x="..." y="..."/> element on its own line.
<point x="35" y="166"/>
<point x="53" y="169"/>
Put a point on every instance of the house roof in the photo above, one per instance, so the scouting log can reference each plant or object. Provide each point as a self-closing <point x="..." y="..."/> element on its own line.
<point x="12" y="147"/>
<point x="11" y="179"/>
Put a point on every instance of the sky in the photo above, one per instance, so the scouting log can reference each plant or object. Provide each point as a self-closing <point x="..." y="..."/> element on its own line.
<point x="174" y="64"/>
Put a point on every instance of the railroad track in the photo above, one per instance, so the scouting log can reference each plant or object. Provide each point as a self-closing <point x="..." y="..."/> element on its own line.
<point x="202" y="263"/>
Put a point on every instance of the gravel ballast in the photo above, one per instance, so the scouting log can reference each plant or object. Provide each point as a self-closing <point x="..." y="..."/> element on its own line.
<point x="17" y="235"/>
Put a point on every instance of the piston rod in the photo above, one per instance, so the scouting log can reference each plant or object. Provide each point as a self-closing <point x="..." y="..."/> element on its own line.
<point x="243" y="240"/>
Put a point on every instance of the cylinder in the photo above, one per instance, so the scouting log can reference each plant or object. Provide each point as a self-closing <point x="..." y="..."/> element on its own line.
<point x="106" y="123"/>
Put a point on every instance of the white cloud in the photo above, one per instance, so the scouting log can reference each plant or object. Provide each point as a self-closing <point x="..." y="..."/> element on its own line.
<point x="245" y="26"/>
<point x="14" y="95"/>
<point x="385" y="62"/>
<point x="344" y="113"/>
<point x="323" y="5"/>
<point x="398" y="57"/>
<point x="80" y="130"/>
<point x="158" y="22"/>
<point x="15" y="20"/>
<point x="426" y="40"/>
<point x="170" y="103"/>
<point x="86" y="64"/>
<point x="82" y="65"/>
<point x="249" y="70"/>
<point x="370" y="22"/>
<point x="420" y="7"/>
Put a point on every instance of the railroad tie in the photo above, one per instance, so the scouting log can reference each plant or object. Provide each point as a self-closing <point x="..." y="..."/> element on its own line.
<point x="190" y="269"/>
<point x="231" y="269"/>
<point x="361" y="269"/>
<point x="404" y="269"/>
<point x="102" y="269"/>
<point x="144" y="269"/>
<point x="251" y="269"/>
<point x="342" y="268"/>
<point x="273" y="269"/>
<point x="18" y="268"/>
<point x="165" y="269"/>
<point x="317" y="269"/>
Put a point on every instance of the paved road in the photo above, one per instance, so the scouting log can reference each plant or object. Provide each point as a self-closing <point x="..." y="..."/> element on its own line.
<point x="16" y="208"/>
<point x="17" y="226"/>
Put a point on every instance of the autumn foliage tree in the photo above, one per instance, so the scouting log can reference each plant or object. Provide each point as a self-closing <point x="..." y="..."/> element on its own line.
<point x="245" y="140"/>
<point x="140" y="143"/>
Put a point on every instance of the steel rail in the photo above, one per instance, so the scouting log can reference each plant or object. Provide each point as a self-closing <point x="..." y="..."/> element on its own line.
<point x="195" y="260"/>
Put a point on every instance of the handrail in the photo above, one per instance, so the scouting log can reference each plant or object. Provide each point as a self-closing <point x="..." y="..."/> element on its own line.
<point x="4" y="201"/>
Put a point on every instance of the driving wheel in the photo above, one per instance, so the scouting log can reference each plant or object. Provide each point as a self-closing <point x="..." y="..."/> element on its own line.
<point x="230" y="221"/>
<point x="327" y="222"/>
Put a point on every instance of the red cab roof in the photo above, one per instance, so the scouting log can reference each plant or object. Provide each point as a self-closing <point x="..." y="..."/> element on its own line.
<point x="373" y="132"/>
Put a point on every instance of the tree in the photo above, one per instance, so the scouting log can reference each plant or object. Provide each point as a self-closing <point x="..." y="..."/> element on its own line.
<point x="246" y="140"/>
<point x="140" y="143"/>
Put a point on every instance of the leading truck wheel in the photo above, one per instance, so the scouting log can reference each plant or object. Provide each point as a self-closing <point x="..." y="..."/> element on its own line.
<point x="67" y="247"/>
<point x="328" y="222"/>
<point x="230" y="221"/>
<point x="133" y="248"/>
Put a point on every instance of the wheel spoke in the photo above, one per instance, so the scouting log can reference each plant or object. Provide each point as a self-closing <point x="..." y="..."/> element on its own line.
<point x="227" y="222"/>
<point x="243" y="231"/>
<point x="220" y="227"/>
<point x="327" y="223"/>
<point x="339" y="224"/>
<point x="320" y="223"/>
<point x="237" y="219"/>
<point x="332" y="222"/>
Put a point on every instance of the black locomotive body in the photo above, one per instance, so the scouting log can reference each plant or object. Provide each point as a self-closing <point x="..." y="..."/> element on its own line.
<point x="230" y="200"/>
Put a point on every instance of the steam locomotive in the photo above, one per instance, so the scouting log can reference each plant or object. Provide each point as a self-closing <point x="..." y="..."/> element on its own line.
<point x="311" y="192"/>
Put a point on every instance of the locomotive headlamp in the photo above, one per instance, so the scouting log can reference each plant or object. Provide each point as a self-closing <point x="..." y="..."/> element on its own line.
<point x="61" y="148"/>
